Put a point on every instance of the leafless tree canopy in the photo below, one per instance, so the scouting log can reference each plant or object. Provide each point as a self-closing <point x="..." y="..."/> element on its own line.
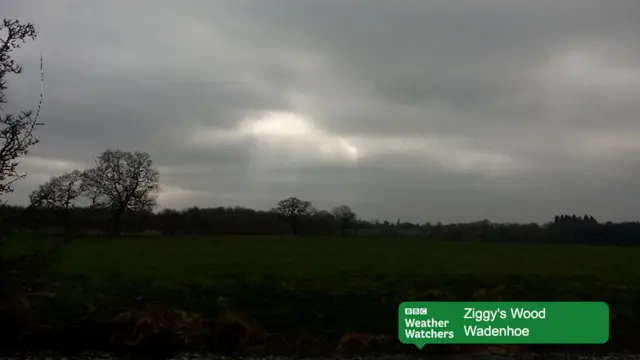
<point x="343" y="212"/>
<point x="345" y="217"/>
<point x="122" y="180"/>
<point x="59" y="192"/>
<point x="292" y="209"/>
<point x="16" y="130"/>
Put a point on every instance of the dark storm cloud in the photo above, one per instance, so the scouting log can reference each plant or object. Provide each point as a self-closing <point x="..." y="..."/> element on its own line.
<point x="439" y="110"/>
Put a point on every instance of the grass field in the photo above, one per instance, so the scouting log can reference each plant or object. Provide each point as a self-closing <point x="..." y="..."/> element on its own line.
<point x="327" y="286"/>
<point x="166" y="260"/>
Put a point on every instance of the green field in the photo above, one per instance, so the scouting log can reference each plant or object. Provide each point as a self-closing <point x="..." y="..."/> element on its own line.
<point x="166" y="260"/>
<point x="327" y="286"/>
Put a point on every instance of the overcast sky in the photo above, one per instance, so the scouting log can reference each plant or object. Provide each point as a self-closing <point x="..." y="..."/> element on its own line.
<point x="440" y="110"/>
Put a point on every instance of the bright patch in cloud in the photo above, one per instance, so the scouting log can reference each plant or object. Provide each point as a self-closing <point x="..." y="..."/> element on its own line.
<point x="588" y="68"/>
<point x="604" y="144"/>
<point x="172" y="196"/>
<point x="40" y="169"/>
<point x="284" y="132"/>
<point x="50" y="164"/>
<point x="284" y="136"/>
<point x="451" y="154"/>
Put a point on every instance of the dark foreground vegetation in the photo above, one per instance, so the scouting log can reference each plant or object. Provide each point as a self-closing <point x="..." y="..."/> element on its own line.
<point x="310" y="295"/>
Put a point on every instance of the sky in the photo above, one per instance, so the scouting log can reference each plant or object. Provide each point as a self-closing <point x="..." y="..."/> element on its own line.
<point x="441" y="110"/>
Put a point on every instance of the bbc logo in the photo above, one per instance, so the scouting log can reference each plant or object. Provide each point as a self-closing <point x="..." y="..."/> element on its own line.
<point x="415" y="311"/>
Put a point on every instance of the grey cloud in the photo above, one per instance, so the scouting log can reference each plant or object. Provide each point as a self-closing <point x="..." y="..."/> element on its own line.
<point x="494" y="75"/>
<point x="474" y="58"/>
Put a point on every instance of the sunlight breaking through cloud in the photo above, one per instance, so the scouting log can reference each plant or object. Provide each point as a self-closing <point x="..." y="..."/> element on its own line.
<point x="284" y="131"/>
<point x="284" y="135"/>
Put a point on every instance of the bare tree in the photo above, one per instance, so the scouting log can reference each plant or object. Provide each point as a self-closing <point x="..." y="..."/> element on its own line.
<point x="59" y="193"/>
<point x="21" y="274"/>
<point x="16" y="130"/>
<point x="122" y="181"/>
<point x="292" y="210"/>
<point x="345" y="217"/>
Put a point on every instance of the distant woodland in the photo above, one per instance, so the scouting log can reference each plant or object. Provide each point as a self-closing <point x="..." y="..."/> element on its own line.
<point x="563" y="229"/>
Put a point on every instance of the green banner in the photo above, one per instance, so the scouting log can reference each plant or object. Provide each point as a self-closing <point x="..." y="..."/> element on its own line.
<point x="423" y="323"/>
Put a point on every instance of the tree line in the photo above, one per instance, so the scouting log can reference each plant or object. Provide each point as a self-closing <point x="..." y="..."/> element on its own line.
<point x="291" y="216"/>
<point x="118" y="195"/>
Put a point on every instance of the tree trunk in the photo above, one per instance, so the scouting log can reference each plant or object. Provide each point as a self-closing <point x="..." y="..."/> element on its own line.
<point x="69" y="225"/>
<point x="295" y="226"/>
<point x="115" y="221"/>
